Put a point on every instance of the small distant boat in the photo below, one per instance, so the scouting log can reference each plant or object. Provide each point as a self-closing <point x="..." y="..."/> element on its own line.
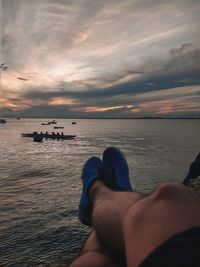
<point x="73" y="122"/>
<point x="58" y="127"/>
<point x="37" y="138"/>
<point x="18" y="118"/>
<point x="2" y="121"/>
<point x="52" y="122"/>
<point x="45" y="123"/>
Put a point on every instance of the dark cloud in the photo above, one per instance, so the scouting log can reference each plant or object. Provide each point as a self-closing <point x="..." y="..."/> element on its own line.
<point x="184" y="58"/>
<point x="132" y="87"/>
<point x="39" y="111"/>
<point x="181" y="50"/>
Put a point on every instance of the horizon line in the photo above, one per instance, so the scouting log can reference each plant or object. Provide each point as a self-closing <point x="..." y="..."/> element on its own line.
<point x="106" y="118"/>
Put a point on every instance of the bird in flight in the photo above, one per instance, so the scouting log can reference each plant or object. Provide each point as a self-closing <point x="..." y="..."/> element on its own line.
<point x="23" y="79"/>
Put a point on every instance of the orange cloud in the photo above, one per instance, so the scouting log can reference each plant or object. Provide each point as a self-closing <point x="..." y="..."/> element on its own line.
<point x="19" y="103"/>
<point x="61" y="101"/>
<point x="173" y="105"/>
<point x="6" y="103"/>
<point x="130" y="108"/>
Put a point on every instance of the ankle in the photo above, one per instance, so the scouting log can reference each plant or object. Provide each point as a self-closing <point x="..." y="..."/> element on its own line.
<point x="95" y="187"/>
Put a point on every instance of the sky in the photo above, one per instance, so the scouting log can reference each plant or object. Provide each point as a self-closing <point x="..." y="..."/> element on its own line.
<point x="100" y="58"/>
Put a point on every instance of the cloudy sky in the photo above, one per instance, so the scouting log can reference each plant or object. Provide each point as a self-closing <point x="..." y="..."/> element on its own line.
<point x="100" y="58"/>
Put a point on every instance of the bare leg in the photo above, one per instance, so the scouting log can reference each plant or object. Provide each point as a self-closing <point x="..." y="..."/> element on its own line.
<point x="93" y="254"/>
<point x="123" y="220"/>
<point x="109" y="210"/>
<point x="107" y="251"/>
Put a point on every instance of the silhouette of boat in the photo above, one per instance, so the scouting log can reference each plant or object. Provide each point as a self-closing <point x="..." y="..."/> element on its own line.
<point x="58" y="136"/>
<point x="2" y="121"/>
<point x="58" y="127"/>
<point x="45" y="123"/>
<point x="52" y="122"/>
<point x="73" y="122"/>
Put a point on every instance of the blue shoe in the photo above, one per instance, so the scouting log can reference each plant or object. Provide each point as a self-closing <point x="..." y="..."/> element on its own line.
<point x="194" y="171"/>
<point x="116" y="172"/>
<point x="90" y="173"/>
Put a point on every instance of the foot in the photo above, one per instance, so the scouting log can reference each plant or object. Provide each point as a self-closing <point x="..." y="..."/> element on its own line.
<point x="90" y="173"/>
<point x="194" y="171"/>
<point x="116" y="172"/>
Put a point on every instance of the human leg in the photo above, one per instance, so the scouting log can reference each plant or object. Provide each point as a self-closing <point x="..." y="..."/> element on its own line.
<point x="109" y="250"/>
<point x="94" y="251"/>
<point x="132" y="219"/>
<point x="115" y="175"/>
<point x="133" y="225"/>
<point x="147" y="221"/>
<point x="169" y="210"/>
<point x="90" y="173"/>
<point x="109" y="209"/>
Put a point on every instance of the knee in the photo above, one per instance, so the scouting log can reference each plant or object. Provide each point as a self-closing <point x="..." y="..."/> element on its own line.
<point x="167" y="191"/>
<point x="163" y="195"/>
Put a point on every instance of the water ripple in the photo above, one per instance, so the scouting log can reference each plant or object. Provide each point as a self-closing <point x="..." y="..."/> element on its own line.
<point x="40" y="183"/>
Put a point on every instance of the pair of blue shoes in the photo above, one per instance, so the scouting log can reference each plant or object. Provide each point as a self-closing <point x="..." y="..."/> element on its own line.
<point x="112" y="170"/>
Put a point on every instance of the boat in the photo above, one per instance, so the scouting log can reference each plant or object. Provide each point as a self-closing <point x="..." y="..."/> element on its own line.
<point x="18" y="118"/>
<point x="2" y="121"/>
<point x="58" y="136"/>
<point x="45" y="123"/>
<point x="73" y="122"/>
<point x="52" y="122"/>
<point x="58" y="127"/>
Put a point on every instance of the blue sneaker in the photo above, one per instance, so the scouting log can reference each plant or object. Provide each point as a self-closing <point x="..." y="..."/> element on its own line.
<point x="194" y="171"/>
<point x="90" y="173"/>
<point x="116" y="172"/>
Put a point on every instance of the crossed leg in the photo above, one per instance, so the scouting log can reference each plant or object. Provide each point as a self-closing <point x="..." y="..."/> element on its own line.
<point x="128" y="226"/>
<point x="122" y="220"/>
<point x="110" y="253"/>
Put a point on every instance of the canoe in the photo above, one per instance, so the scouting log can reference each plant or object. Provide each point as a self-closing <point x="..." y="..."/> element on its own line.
<point x="49" y="136"/>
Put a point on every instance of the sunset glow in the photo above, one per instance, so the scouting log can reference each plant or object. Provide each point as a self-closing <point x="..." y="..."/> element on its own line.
<point x="100" y="58"/>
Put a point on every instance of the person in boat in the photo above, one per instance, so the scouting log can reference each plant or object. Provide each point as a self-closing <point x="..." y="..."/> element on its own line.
<point x="58" y="135"/>
<point x="46" y="135"/>
<point x="53" y="135"/>
<point x="132" y="229"/>
<point x="35" y="133"/>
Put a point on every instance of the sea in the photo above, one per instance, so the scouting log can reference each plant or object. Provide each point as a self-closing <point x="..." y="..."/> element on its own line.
<point x="40" y="183"/>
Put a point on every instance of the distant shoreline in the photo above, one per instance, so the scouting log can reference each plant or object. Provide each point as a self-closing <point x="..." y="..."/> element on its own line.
<point x="102" y="118"/>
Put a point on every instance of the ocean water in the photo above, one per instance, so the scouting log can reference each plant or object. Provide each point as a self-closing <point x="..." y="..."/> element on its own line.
<point x="40" y="182"/>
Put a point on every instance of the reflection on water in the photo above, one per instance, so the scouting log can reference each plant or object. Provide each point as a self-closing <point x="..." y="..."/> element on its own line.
<point x="40" y="185"/>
